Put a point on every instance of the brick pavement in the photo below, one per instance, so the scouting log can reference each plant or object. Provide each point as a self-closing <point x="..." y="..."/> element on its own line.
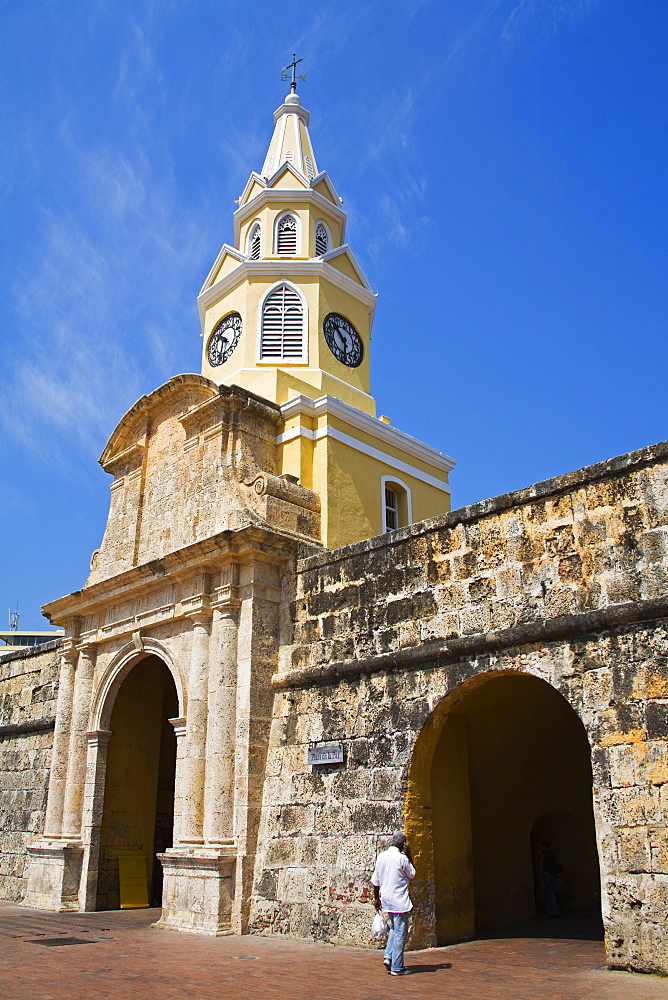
<point x="120" y="955"/>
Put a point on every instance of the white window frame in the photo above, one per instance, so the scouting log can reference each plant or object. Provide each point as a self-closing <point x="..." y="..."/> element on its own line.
<point x="254" y="223"/>
<point x="321" y="222"/>
<point x="387" y="482"/>
<point x="277" y="222"/>
<point x="273" y="362"/>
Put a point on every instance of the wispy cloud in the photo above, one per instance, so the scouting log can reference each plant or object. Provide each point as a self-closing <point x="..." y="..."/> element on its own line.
<point x="103" y="300"/>
<point x="530" y="22"/>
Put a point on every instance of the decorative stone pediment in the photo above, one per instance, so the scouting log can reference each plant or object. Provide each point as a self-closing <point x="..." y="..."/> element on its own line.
<point x="192" y="460"/>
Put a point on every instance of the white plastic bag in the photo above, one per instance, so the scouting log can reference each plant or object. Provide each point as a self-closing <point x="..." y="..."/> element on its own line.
<point x="379" y="928"/>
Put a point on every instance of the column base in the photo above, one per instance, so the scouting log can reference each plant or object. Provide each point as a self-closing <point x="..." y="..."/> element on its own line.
<point x="198" y="890"/>
<point x="54" y="874"/>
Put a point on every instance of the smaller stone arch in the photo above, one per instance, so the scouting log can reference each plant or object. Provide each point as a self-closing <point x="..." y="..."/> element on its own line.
<point x="117" y="670"/>
<point x="503" y="733"/>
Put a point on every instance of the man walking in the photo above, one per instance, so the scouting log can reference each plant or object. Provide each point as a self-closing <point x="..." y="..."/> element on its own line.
<point x="393" y="871"/>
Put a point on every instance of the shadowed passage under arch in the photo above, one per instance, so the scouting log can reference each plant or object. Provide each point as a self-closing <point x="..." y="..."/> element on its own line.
<point x="139" y="785"/>
<point x="510" y="766"/>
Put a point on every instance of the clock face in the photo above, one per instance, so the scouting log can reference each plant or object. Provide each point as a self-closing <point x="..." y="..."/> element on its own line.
<point x="343" y="340"/>
<point x="224" y="339"/>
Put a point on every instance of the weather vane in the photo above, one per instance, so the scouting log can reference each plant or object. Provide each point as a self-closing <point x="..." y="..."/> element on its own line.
<point x="293" y="67"/>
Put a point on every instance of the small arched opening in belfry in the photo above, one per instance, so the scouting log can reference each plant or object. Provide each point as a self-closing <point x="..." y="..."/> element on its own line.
<point x="138" y="816"/>
<point x="502" y="764"/>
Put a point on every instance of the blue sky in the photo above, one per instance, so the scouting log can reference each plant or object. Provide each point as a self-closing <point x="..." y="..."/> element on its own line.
<point x="503" y="166"/>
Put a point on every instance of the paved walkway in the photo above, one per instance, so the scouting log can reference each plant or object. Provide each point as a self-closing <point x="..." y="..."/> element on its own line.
<point x="117" y="954"/>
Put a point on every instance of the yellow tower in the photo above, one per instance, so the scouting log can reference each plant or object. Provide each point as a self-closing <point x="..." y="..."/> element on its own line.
<point x="287" y="313"/>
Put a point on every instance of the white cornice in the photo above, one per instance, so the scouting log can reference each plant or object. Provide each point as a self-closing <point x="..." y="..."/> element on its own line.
<point x="298" y="370"/>
<point x="226" y="248"/>
<point x="324" y="176"/>
<point x="254" y="178"/>
<point x="385" y="433"/>
<point x="347" y="252"/>
<point x="267" y="182"/>
<point x="316" y="267"/>
<point x="396" y="464"/>
<point x="301" y="196"/>
<point x="292" y="109"/>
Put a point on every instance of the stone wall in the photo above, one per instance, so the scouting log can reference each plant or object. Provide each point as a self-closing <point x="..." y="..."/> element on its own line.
<point x="28" y="688"/>
<point x="566" y="581"/>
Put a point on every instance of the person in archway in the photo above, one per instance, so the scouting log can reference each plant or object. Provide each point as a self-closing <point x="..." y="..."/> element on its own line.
<point x="394" y="870"/>
<point x="550" y="870"/>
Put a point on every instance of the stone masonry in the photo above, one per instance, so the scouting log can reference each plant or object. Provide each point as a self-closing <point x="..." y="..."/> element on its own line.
<point x="28" y="689"/>
<point x="566" y="581"/>
<point x="274" y="644"/>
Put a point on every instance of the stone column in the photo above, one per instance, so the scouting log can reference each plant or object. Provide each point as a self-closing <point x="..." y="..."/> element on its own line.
<point x="76" y="766"/>
<point x="53" y="821"/>
<point x="179" y="781"/>
<point x="93" y="808"/>
<point x="195" y="759"/>
<point x="221" y="727"/>
<point x="257" y="656"/>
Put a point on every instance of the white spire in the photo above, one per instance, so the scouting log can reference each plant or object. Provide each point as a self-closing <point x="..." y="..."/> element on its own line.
<point x="291" y="141"/>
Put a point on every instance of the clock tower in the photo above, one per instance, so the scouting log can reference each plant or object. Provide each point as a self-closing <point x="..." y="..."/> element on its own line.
<point x="286" y="313"/>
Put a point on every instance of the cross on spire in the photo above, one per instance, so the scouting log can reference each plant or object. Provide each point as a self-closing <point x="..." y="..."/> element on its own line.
<point x="293" y="67"/>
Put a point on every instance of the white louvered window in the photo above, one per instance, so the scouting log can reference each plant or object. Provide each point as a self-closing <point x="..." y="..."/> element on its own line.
<point x="266" y="170"/>
<point x="289" y="156"/>
<point x="255" y="241"/>
<point x="321" y="239"/>
<point x="310" y="173"/>
<point x="391" y="509"/>
<point x="282" y="337"/>
<point x="286" y="236"/>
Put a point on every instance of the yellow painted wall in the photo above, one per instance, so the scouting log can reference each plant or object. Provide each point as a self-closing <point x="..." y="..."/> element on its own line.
<point x="354" y="510"/>
<point x="321" y="298"/>
<point x="349" y="483"/>
<point x="140" y="771"/>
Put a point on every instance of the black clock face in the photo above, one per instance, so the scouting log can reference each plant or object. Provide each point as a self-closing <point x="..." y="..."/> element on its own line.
<point x="224" y="339"/>
<point x="343" y="340"/>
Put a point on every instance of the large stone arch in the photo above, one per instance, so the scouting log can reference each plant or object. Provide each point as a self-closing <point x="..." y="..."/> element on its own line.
<point x="437" y="744"/>
<point x="117" y="670"/>
<point x="137" y="790"/>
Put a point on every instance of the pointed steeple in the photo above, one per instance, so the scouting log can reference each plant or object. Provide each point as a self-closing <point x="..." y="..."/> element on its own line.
<point x="291" y="142"/>
<point x="286" y="314"/>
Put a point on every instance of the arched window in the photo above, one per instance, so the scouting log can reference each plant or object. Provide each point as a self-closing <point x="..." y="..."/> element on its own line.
<point x="395" y="498"/>
<point x="282" y="334"/>
<point x="321" y="239"/>
<point x="255" y="241"/>
<point x="286" y="235"/>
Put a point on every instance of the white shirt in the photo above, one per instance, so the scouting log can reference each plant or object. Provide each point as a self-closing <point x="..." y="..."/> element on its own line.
<point x="392" y="874"/>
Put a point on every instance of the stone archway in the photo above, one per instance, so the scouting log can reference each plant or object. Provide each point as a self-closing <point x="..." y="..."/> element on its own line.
<point x="503" y="760"/>
<point x="138" y="813"/>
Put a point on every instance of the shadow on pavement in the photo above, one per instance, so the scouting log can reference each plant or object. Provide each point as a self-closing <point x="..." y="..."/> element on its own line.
<point x="570" y="926"/>
<point x="415" y="969"/>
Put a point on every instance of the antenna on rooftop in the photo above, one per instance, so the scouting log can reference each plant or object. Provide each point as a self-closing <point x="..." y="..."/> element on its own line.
<point x="14" y="618"/>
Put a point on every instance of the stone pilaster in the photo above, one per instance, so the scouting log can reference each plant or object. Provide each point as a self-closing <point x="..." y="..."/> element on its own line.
<point x="93" y="808"/>
<point x="53" y="822"/>
<point x="192" y="818"/>
<point x="257" y="657"/>
<point x="221" y="723"/>
<point x="180" y="726"/>
<point x="78" y="746"/>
